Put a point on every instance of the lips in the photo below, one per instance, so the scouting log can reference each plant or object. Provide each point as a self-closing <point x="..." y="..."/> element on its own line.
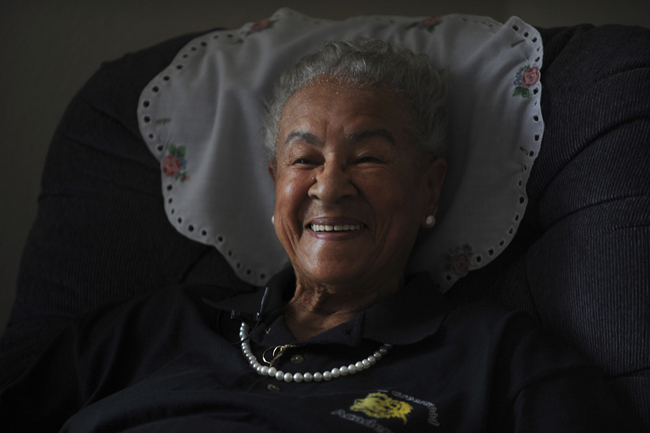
<point x="334" y="227"/>
<point x="332" y="224"/>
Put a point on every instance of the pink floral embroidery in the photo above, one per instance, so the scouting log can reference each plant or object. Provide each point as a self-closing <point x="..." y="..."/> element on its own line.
<point x="458" y="259"/>
<point x="175" y="164"/>
<point x="428" y="24"/>
<point x="261" y="25"/>
<point x="526" y="78"/>
<point x="171" y="165"/>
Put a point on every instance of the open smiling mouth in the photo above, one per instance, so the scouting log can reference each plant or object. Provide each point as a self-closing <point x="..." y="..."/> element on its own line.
<point x="335" y="228"/>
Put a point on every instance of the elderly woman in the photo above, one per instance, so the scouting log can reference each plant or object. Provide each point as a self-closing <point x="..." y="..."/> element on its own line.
<point x="343" y="340"/>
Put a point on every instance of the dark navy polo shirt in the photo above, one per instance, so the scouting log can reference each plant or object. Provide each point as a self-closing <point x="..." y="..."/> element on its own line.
<point x="171" y="361"/>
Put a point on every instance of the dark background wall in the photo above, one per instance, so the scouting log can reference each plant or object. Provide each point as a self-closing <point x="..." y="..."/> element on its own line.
<point x="48" y="49"/>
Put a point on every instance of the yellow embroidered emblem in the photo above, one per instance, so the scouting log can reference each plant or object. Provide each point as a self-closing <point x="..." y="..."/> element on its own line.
<point x="378" y="405"/>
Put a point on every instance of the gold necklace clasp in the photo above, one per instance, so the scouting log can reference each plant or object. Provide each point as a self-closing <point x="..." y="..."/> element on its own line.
<point x="278" y="351"/>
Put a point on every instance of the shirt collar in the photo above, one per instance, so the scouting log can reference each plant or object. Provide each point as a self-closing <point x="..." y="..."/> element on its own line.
<point x="411" y="314"/>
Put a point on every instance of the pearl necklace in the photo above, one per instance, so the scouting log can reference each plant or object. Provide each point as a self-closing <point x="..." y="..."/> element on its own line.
<point x="271" y="371"/>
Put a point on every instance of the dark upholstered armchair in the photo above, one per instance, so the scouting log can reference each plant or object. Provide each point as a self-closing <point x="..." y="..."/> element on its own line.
<point x="580" y="262"/>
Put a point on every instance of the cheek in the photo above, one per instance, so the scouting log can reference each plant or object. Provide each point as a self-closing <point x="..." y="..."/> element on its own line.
<point x="290" y="193"/>
<point x="397" y="195"/>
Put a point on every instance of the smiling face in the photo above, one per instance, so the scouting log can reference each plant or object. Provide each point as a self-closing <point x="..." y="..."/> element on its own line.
<point x="350" y="192"/>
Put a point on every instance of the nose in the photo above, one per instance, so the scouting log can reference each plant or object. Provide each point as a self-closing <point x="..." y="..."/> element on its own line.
<point x="332" y="184"/>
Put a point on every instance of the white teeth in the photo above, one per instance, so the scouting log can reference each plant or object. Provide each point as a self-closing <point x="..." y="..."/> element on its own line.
<point x="335" y="228"/>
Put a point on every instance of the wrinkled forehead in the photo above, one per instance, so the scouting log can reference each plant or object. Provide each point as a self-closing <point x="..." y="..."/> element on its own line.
<point x="334" y="99"/>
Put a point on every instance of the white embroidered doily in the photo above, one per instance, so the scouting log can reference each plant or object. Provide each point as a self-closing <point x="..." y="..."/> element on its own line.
<point x="201" y="118"/>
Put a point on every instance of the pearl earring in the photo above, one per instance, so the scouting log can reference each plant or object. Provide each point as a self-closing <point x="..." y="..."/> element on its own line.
<point x="273" y="219"/>
<point x="430" y="221"/>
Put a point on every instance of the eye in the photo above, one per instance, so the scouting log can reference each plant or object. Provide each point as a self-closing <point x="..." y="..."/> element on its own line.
<point x="303" y="161"/>
<point x="368" y="158"/>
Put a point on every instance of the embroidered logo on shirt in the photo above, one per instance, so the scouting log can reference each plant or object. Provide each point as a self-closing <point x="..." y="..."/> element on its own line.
<point x="390" y="406"/>
<point x="378" y="405"/>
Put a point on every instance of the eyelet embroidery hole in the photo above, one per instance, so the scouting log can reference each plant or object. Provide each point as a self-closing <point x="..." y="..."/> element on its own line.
<point x="180" y="220"/>
<point x="190" y="228"/>
<point x="169" y="187"/>
<point x="204" y="232"/>
<point x="490" y="252"/>
<point x="511" y="231"/>
<point x="516" y="217"/>
<point x="522" y="199"/>
<point x="147" y="119"/>
<point x="179" y="67"/>
<point x="536" y="118"/>
<point x="478" y="259"/>
<point x="172" y="211"/>
<point x="170" y="200"/>
<point x="146" y="103"/>
<point x="166" y="78"/>
<point x="515" y="27"/>
<point x="502" y="242"/>
<point x="155" y="89"/>
<point x="536" y="137"/>
<point x="219" y="239"/>
<point x="262" y="276"/>
<point x="526" y="34"/>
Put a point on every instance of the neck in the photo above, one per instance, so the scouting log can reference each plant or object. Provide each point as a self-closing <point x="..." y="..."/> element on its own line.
<point x="314" y="310"/>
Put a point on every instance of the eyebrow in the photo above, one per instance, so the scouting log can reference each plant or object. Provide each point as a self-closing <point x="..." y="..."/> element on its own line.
<point x="307" y="137"/>
<point x="359" y="136"/>
<point x="354" y="137"/>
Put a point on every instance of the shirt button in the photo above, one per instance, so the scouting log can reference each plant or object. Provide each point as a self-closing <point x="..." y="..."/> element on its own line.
<point x="297" y="359"/>
<point x="273" y="388"/>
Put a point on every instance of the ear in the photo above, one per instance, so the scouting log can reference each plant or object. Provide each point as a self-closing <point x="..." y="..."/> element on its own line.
<point x="272" y="168"/>
<point x="435" y="176"/>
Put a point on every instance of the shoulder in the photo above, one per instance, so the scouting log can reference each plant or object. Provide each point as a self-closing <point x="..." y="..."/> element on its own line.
<point x="481" y="319"/>
<point x="144" y="313"/>
<point x="518" y="345"/>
